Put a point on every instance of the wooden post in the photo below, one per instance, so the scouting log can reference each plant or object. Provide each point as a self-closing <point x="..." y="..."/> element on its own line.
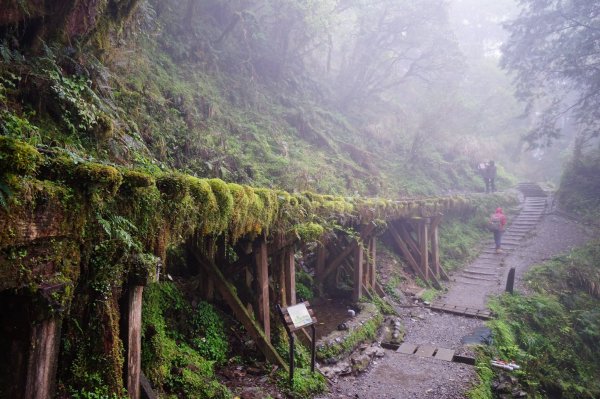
<point x="320" y="261"/>
<point x="134" y="341"/>
<point x="373" y="266"/>
<point x="423" y="248"/>
<point x="262" y="275"/>
<point x="280" y="270"/>
<point x="358" y="273"/>
<point x="435" y="250"/>
<point x="289" y="265"/>
<point x="43" y="355"/>
<point x="320" y="267"/>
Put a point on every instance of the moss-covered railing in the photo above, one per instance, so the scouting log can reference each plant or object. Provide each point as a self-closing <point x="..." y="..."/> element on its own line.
<point x="73" y="232"/>
<point x="172" y="206"/>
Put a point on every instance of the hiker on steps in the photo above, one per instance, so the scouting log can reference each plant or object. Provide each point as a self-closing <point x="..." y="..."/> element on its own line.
<point x="496" y="225"/>
<point x="489" y="176"/>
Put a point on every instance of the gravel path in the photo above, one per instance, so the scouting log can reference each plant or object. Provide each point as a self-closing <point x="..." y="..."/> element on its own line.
<point x="536" y="235"/>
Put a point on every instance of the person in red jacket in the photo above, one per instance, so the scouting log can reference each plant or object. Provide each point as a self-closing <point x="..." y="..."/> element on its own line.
<point x="497" y="224"/>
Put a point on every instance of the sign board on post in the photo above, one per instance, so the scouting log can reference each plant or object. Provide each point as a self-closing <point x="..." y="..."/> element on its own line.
<point x="299" y="315"/>
<point x="294" y="318"/>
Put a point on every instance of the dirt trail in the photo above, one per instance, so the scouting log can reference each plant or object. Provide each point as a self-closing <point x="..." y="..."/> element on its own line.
<point x="535" y="235"/>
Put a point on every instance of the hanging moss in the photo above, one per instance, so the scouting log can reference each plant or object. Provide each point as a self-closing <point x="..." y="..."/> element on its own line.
<point x="309" y="232"/>
<point x="98" y="177"/>
<point x="18" y="157"/>
<point x="133" y="179"/>
<point x="241" y="206"/>
<point x="224" y="200"/>
<point x="174" y="186"/>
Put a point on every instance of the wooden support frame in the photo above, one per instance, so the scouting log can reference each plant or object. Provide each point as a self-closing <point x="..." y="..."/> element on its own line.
<point x="406" y="252"/>
<point x="289" y="268"/>
<point x="227" y="291"/>
<point x="372" y="262"/>
<point x="43" y="356"/>
<point x="134" y="340"/>
<point x="262" y="275"/>
<point x="358" y="272"/>
<point x="424" y="247"/>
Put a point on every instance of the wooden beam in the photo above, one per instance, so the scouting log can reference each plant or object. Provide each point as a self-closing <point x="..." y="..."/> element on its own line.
<point x="289" y="266"/>
<point x="227" y="291"/>
<point x="262" y="276"/>
<point x="424" y="247"/>
<point x="406" y="253"/>
<point x="43" y="356"/>
<point x="358" y="273"/>
<point x="373" y="262"/>
<point x="280" y="271"/>
<point x="435" y="253"/>
<point x="320" y="267"/>
<point x="134" y="341"/>
<point x="408" y="238"/>
<point x="339" y="259"/>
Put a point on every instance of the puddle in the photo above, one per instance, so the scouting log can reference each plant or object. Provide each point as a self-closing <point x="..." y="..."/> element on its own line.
<point x="481" y="335"/>
<point x="330" y="313"/>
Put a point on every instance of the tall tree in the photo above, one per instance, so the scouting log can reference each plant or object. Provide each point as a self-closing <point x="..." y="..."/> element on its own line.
<point x="554" y="49"/>
<point x="390" y="42"/>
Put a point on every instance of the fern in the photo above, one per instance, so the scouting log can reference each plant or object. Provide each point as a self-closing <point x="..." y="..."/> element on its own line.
<point x="120" y="229"/>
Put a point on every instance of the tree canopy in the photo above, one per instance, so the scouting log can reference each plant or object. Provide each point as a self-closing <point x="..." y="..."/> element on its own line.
<point x="554" y="50"/>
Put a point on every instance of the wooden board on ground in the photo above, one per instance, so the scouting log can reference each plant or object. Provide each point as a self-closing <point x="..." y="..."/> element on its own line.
<point x="483" y="314"/>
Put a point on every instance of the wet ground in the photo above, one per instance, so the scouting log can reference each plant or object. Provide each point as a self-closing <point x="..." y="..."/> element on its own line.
<point x="330" y="314"/>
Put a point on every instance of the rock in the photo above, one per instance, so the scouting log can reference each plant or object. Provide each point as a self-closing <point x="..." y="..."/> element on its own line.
<point x="351" y="313"/>
<point x="360" y="362"/>
<point x="342" y="326"/>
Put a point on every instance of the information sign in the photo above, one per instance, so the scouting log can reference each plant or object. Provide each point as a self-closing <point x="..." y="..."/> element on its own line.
<point x="299" y="315"/>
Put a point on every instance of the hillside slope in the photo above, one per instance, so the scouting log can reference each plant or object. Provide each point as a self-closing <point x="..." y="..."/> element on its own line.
<point x="210" y="89"/>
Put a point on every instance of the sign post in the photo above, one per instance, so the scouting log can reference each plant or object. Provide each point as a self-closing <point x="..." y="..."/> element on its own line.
<point x="294" y="318"/>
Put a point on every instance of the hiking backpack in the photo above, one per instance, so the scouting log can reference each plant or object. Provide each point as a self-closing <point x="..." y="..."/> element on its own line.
<point x="495" y="223"/>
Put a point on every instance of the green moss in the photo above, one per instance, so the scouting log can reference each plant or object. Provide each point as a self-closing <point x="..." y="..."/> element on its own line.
<point x="95" y="176"/>
<point x="18" y="157"/>
<point x="309" y="232"/>
<point x="363" y="333"/>
<point x="133" y="179"/>
<point x="224" y="201"/>
<point x="174" y="186"/>
<point x="169" y="360"/>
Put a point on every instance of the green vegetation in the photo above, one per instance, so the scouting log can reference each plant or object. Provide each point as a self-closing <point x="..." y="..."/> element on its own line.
<point x="182" y="344"/>
<point x="366" y="332"/>
<point x="553" y="332"/>
<point x="579" y="190"/>
<point x="461" y="234"/>
<point x="305" y="384"/>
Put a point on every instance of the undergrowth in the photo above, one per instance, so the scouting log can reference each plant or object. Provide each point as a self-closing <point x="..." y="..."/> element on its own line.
<point x="182" y="344"/>
<point x="554" y="331"/>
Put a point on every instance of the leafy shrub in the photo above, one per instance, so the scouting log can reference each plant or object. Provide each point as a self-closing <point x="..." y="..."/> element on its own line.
<point x="208" y="333"/>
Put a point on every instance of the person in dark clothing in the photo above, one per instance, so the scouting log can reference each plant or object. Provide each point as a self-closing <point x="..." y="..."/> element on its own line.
<point x="497" y="225"/>
<point x="490" y="182"/>
<point x="481" y="171"/>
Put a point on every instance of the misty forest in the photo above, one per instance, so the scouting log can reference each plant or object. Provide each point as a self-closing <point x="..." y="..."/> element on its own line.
<point x="330" y="199"/>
